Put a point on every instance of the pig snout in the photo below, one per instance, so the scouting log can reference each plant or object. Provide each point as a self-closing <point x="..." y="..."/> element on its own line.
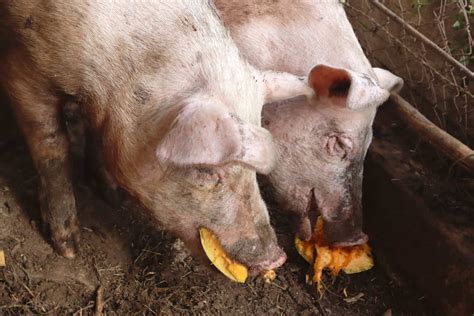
<point x="341" y="210"/>
<point x="343" y="233"/>
<point x="278" y="259"/>
<point x="342" y="225"/>
<point x="258" y="255"/>
<point x="342" y="218"/>
<point x="257" y="247"/>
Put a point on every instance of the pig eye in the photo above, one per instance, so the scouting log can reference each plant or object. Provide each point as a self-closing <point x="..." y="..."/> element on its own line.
<point x="206" y="178"/>
<point x="339" y="146"/>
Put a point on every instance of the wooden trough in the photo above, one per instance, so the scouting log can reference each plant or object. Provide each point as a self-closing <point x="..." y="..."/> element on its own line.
<point x="428" y="253"/>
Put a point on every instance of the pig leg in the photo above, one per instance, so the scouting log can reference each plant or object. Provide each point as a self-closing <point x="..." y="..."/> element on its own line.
<point x="75" y="133"/>
<point x="97" y="174"/>
<point x="87" y="156"/>
<point x="39" y="115"/>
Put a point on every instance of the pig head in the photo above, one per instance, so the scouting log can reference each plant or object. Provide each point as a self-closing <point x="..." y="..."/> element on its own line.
<point x="322" y="145"/>
<point x="209" y="156"/>
<point x="322" y="142"/>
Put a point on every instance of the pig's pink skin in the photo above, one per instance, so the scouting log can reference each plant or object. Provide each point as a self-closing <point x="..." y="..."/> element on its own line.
<point x="321" y="146"/>
<point x="175" y="109"/>
<point x="301" y="132"/>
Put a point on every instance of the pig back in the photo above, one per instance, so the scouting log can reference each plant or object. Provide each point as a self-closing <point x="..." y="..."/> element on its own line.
<point x="293" y="36"/>
<point x="92" y="47"/>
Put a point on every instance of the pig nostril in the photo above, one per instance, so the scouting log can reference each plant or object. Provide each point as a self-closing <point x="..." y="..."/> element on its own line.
<point x="278" y="259"/>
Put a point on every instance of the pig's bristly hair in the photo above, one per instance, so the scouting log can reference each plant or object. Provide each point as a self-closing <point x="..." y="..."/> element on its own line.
<point x="212" y="60"/>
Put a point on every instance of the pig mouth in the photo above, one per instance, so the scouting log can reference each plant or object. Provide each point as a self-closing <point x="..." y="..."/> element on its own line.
<point x="234" y="270"/>
<point x="307" y="225"/>
<point x="359" y="240"/>
<point x="277" y="261"/>
<point x="307" y="220"/>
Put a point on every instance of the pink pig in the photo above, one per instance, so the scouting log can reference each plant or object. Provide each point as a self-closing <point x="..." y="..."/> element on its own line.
<point x="321" y="144"/>
<point x="171" y="105"/>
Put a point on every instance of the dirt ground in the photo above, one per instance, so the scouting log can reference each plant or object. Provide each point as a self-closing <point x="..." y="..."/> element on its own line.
<point x="144" y="270"/>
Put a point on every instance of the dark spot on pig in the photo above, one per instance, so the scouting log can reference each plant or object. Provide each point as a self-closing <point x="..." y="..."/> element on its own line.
<point x="29" y="23"/>
<point x="266" y="122"/>
<point x="369" y="79"/>
<point x="340" y="87"/>
<point x="91" y="64"/>
<point x="241" y="12"/>
<point x="154" y="59"/>
<point x="198" y="57"/>
<point x="186" y="22"/>
<point x="331" y="125"/>
<point x="241" y="133"/>
<point x="141" y="95"/>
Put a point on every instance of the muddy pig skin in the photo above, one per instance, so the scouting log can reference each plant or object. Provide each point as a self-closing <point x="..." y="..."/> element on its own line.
<point x="174" y="108"/>
<point x="321" y="143"/>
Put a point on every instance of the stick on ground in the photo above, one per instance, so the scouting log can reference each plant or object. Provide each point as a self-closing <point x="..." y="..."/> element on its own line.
<point x="99" y="301"/>
<point x="461" y="154"/>
<point x="2" y="259"/>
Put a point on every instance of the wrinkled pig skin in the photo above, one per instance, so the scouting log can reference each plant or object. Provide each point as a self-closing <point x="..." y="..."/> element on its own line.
<point x="321" y="143"/>
<point x="173" y="108"/>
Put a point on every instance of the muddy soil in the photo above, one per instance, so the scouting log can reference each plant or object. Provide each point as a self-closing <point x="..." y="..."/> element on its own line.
<point x="144" y="270"/>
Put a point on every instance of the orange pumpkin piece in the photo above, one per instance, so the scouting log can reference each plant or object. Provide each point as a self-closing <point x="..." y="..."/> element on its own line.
<point x="316" y="252"/>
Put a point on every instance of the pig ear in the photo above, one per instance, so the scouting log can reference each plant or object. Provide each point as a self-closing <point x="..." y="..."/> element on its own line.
<point x="204" y="134"/>
<point x="388" y="80"/>
<point x="356" y="90"/>
<point x="283" y="86"/>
